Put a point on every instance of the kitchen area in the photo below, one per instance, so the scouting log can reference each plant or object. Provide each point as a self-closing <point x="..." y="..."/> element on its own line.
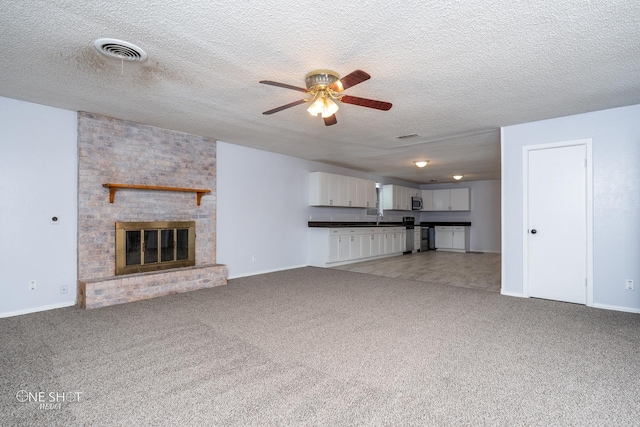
<point x="425" y="234"/>
<point x="401" y="223"/>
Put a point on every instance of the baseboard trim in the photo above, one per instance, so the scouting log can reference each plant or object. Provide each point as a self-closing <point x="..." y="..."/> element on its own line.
<point x="37" y="309"/>
<point x="513" y="294"/>
<point x="616" y="308"/>
<point x="255" y="273"/>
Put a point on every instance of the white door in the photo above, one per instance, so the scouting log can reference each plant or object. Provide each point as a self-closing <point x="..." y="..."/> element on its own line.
<point x="556" y="222"/>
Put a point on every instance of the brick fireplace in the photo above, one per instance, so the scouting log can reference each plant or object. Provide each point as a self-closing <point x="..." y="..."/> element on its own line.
<point x="116" y="151"/>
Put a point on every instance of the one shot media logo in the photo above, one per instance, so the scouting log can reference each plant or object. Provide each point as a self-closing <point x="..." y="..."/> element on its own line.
<point x="48" y="399"/>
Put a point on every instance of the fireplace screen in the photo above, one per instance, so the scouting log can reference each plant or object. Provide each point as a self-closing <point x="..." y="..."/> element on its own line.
<point x="151" y="246"/>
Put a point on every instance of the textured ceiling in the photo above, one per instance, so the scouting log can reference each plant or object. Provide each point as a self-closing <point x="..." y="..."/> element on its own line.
<point x="454" y="71"/>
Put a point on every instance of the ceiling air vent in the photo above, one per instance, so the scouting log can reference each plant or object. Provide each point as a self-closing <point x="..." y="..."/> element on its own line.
<point x="119" y="49"/>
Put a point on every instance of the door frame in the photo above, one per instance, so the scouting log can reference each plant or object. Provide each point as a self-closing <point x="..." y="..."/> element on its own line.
<point x="588" y="143"/>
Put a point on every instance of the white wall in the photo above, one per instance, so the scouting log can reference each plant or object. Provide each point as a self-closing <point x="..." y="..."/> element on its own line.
<point x="484" y="234"/>
<point x="38" y="180"/>
<point x="260" y="210"/>
<point x="263" y="209"/>
<point x="616" y="199"/>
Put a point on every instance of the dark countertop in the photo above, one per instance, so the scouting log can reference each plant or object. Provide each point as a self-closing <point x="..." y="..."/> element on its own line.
<point x="451" y="223"/>
<point x="326" y="224"/>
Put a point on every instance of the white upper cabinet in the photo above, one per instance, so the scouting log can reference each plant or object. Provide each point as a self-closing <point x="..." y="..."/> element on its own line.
<point x="454" y="199"/>
<point x="366" y="193"/>
<point x="319" y="186"/>
<point x="427" y="200"/>
<point x="397" y="197"/>
<point x="460" y="200"/>
<point x="327" y="189"/>
<point x="441" y="200"/>
<point x="337" y="190"/>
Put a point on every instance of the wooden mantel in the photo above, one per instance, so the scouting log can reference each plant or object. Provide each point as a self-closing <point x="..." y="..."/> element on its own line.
<point x="114" y="187"/>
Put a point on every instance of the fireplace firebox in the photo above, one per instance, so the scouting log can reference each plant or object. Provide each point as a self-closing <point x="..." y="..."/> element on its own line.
<point x="152" y="246"/>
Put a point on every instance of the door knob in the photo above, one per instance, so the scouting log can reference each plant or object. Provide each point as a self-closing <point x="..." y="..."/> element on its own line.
<point x="534" y="231"/>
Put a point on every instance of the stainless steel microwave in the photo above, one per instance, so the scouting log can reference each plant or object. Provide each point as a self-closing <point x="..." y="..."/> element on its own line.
<point x="416" y="203"/>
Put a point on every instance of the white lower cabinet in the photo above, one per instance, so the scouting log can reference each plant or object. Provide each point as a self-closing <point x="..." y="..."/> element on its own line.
<point x="336" y="246"/>
<point x="376" y="239"/>
<point x="416" y="239"/>
<point x="339" y="248"/>
<point x="444" y="237"/>
<point x="452" y="238"/>
<point x="458" y="238"/>
<point x="355" y="246"/>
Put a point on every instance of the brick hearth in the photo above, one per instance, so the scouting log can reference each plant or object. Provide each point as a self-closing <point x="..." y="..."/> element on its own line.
<point x="116" y="151"/>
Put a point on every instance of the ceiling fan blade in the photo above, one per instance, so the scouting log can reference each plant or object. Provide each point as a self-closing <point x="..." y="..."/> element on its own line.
<point x="331" y="120"/>
<point x="284" y="85"/>
<point x="363" y="102"/>
<point x="284" y="107"/>
<point x="356" y="77"/>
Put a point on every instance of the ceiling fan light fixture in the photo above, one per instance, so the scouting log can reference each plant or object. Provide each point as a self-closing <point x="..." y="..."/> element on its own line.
<point x="457" y="177"/>
<point x="320" y="79"/>
<point x="323" y="105"/>
<point x="324" y="88"/>
<point x="331" y="108"/>
<point x="421" y="163"/>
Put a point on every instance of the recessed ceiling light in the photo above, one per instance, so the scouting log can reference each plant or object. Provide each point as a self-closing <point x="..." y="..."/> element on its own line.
<point x="421" y="163"/>
<point x="457" y="177"/>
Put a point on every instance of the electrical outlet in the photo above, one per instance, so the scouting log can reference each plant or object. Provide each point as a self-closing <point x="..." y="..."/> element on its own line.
<point x="629" y="285"/>
<point x="32" y="285"/>
<point x="64" y="289"/>
<point x="253" y="258"/>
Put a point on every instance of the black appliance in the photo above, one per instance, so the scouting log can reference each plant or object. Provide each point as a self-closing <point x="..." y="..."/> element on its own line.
<point x="409" y="223"/>
<point x="416" y="203"/>
<point x="427" y="238"/>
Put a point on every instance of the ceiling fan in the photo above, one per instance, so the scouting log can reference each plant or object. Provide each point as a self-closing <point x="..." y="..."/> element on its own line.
<point x="325" y="86"/>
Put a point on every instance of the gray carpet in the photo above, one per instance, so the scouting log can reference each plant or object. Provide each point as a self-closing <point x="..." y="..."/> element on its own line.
<point x="321" y="347"/>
